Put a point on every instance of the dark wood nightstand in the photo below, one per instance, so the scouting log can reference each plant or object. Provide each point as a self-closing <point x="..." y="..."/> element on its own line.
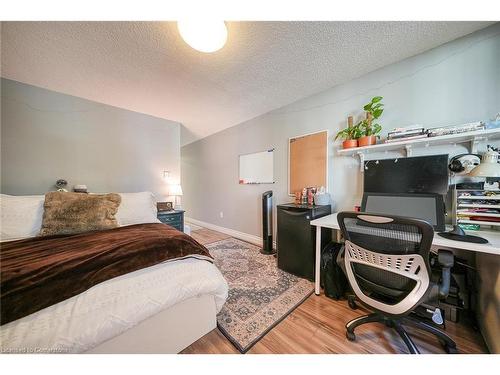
<point x="174" y="218"/>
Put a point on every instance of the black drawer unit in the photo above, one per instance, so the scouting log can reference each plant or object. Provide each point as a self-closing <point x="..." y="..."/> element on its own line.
<point x="173" y="218"/>
<point x="297" y="238"/>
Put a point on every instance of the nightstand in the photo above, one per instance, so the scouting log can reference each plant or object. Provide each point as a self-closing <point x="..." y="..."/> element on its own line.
<point x="174" y="218"/>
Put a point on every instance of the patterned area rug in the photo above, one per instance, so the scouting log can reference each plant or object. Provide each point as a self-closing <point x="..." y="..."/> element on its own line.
<point x="260" y="294"/>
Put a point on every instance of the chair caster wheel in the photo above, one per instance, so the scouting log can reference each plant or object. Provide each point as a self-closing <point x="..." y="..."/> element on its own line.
<point x="350" y="336"/>
<point x="389" y="323"/>
<point x="451" y="349"/>
<point x="352" y="303"/>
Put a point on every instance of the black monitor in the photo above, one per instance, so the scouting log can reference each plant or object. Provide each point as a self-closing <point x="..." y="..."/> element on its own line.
<point x="414" y="175"/>
<point x="428" y="207"/>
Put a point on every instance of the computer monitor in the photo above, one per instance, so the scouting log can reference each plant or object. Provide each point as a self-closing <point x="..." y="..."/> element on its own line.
<point x="428" y="207"/>
<point x="414" y="175"/>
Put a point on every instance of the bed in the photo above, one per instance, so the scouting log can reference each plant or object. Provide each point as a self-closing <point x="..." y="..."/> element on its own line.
<point x="162" y="306"/>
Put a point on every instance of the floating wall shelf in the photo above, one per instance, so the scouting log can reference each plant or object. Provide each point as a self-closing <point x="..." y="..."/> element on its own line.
<point x="472" y="138"/>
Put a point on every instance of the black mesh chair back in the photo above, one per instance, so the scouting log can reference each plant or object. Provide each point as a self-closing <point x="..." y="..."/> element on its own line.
<point x="387" y="259"/>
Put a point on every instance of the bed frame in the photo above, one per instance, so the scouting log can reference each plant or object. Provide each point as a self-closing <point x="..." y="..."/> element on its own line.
<point x="169" y="331"/>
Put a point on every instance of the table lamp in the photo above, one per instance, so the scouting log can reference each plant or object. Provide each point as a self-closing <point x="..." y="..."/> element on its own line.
<point x="489" y="167"/>
<point x="176" y="191"/>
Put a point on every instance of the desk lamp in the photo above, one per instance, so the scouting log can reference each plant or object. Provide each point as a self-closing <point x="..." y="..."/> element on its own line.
<point x="489" y="167"/>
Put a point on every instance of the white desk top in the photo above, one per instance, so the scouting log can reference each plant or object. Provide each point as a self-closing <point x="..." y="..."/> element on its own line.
<point x="493" y="247"/>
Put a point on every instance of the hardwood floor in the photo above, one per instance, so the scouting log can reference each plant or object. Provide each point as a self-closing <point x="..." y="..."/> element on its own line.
<point x="318" y="326"/>
<point x="206" y="236"/>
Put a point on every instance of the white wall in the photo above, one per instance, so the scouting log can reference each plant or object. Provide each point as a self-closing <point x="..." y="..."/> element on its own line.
<point x="46" y="135"/>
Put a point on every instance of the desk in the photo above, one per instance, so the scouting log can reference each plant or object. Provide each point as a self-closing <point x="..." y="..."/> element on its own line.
<point x="330" y="221"/>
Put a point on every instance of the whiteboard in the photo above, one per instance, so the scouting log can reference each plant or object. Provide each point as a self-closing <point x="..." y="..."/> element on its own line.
<point x="257" y="168"/>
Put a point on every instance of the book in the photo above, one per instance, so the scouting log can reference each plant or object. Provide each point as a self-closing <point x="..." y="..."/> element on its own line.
<point x="456" y="129"/>
<point x="413" y="129"/>
<point x="408" y="128"/>
<point x="402" y="135"/>
<point x="406" y="138"/>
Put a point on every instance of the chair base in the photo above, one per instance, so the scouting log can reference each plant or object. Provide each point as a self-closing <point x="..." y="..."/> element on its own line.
<point x="398" y="323"/>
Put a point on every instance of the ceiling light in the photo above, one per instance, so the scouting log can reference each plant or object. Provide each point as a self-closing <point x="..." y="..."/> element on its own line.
<point x="203" y="35"/>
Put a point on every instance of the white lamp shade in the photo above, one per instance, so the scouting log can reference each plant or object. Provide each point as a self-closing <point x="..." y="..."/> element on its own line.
<point x="175" y="190"/>
<point x="489" y="166"/>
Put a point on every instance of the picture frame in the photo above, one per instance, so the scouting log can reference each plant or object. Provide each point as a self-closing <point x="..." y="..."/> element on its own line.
<point x="165" y="206"/>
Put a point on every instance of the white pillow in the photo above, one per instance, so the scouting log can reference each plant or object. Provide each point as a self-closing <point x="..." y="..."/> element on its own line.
<point x="137" y="208"/>
<point x="21" y="216"/>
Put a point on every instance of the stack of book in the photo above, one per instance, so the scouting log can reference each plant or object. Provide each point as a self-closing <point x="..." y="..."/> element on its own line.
<point x="456" y="129"/>
<point x="405" y="134"/>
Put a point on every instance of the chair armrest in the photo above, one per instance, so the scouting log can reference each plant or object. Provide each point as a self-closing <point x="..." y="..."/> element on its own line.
<point x="446" y="261"/>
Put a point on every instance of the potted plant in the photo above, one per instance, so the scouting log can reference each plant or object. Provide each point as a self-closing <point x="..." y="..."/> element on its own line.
<point x="350" y="135"/>
<point x="370" y="131"/>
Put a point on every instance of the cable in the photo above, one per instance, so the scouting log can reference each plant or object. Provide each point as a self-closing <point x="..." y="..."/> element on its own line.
<point x="460" y="51"/>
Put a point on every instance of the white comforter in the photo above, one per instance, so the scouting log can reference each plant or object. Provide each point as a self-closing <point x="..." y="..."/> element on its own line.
<point x="112" y="307"/>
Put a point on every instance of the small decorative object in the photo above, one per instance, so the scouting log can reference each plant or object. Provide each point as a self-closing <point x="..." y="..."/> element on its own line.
<point x="350" y="134"/>
<point x="369" y="130"/>
<point x="165" y="206"/>
<point x="80" y="189"/>
<point x="61" y="185"/>
<point x="494" y="123"/>
<point x="297" y="197"/>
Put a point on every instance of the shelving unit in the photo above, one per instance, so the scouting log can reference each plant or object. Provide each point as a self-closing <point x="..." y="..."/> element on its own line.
<point x="478" y="214"/>
<point x="493" y="198"/>
<point x="472" y="138"/>
<point x="463" y="208"/>
<point x="490" y="223"/>
<point x="465" y="205"/>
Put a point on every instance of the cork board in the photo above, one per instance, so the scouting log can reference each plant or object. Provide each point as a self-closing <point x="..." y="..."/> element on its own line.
<point x="307" y="161"/>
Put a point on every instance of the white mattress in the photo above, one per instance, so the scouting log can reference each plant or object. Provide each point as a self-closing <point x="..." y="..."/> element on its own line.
<point x="112" y="307"/>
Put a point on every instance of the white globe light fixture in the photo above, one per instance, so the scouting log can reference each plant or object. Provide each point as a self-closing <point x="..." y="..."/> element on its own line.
<point x="203" y="35"/>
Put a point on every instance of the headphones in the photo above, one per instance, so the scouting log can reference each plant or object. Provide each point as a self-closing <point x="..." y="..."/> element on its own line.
<point x="464" y="163"/>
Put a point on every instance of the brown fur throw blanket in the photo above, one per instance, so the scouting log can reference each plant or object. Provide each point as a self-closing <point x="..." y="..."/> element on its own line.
<point x="42" y="271"/>
<point x="69" y="213"/>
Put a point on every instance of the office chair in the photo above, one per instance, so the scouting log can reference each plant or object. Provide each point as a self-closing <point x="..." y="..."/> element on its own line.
<point x="386" y="261"/>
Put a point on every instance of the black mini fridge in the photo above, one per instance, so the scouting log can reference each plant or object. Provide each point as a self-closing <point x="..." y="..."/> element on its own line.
<point x="297" y="238"/>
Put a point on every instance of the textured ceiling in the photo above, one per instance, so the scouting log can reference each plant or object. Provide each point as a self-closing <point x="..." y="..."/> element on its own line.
<point x="146" y="67"/>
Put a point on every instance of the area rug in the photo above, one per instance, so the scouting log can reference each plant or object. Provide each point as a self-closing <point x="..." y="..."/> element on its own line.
<point x="260" y="294"/>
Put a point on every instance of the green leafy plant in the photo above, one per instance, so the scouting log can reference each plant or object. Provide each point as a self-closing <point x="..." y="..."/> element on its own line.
<point x="351" y="132"/>
<point x="374" y="110"/>
<point x="367" y="129"/>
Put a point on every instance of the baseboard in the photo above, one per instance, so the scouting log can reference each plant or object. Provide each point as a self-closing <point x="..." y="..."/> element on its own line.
<point x="231" y="232"/>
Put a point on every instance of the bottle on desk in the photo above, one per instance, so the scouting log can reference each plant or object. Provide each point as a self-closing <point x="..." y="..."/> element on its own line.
<point x="303" y="199"/>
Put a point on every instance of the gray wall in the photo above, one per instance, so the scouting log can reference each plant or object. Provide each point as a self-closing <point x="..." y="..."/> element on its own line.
<point x="455" y="83"/>
<point x="452" y="84"/>
<point x="47" y="135"/>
